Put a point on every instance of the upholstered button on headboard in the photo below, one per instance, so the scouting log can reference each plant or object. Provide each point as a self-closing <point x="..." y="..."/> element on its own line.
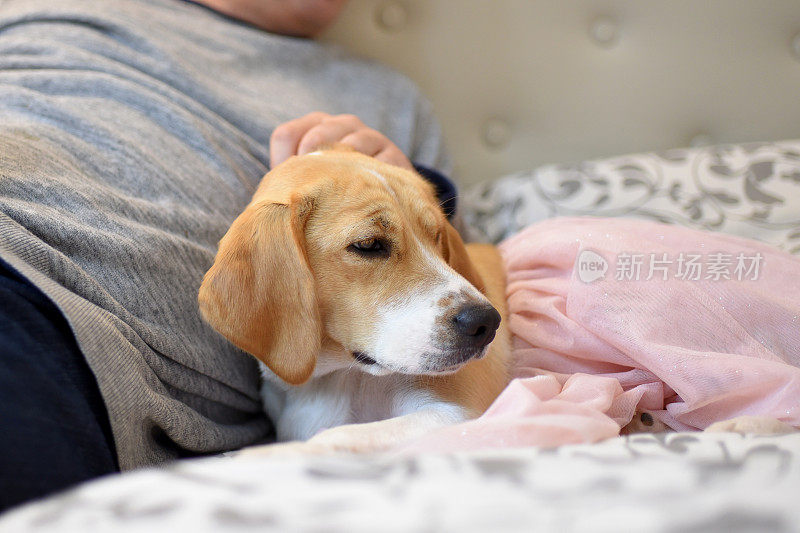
<point x="518" y="83"/>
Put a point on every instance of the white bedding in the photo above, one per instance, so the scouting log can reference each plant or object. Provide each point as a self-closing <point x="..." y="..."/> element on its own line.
<point x="751" y="190"/>
<point x="664" y="482"/>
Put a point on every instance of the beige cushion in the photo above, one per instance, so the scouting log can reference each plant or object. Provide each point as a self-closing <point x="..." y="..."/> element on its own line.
<point x="519" y="83"/>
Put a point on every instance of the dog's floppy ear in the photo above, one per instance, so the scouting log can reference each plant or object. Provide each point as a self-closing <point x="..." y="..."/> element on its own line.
<point x="260" y="293"/>
<point x="457" y="257"/>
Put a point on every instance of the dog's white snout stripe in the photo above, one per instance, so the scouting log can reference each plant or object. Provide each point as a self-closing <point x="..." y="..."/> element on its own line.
<point x="409" y="327"/>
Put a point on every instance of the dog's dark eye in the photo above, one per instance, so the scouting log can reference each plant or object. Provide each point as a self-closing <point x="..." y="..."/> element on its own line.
<point x="370" y="248"/>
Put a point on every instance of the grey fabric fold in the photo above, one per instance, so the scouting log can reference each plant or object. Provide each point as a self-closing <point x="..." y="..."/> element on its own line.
<point x="132" y="132"/>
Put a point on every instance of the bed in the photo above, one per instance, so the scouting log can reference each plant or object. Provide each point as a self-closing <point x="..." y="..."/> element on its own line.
<point x="642" y="482"/>
<point x="530" y="137"/>
<point x="657" y="482"/>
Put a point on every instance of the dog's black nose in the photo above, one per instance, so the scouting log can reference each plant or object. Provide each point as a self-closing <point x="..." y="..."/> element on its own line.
<point x="477" y="324"/>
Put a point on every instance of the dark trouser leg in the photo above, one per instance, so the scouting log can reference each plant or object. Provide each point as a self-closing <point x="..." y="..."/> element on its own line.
<point x="54" y="429"/>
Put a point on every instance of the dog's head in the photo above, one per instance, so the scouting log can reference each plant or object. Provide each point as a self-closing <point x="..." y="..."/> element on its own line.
<point x="343" y="257"/>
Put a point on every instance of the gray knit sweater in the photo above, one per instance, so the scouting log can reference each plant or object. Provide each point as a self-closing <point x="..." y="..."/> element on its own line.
<point x="132" y="132"/>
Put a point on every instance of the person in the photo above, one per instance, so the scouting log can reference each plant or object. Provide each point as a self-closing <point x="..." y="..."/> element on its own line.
<point x="132" y="132"/>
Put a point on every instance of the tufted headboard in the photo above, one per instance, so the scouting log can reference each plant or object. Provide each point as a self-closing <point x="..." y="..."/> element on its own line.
<point x="518" y="83"/>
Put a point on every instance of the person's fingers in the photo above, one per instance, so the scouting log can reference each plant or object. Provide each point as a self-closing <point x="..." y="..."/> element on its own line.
<point x="394" y="156"/>
<point x="329" y="131"/>
<point x="285" y="139"/>
<point x="367" y="141"/>
<point x="308" y="133"/>
<point x="374" y="143"/>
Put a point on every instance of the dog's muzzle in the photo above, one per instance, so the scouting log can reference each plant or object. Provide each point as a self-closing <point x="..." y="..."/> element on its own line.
<point x="473" y="327"/>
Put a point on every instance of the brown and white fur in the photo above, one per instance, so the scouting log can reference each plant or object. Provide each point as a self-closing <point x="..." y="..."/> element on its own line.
<point x="363" y="350"/>
<point x="375" y="323"/>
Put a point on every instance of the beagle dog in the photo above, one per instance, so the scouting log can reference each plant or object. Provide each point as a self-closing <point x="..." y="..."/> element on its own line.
<point x="374" y="322"/>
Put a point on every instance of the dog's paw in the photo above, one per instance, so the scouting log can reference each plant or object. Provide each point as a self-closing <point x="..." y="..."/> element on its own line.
<point x="334" y="440"/>
<point x="759" y="425"/>
<point x="346" y="439"/>
<point x="282" y="449"/>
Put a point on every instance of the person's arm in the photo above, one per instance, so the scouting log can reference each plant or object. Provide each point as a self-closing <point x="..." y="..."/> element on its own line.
<point x="305" y="134"/>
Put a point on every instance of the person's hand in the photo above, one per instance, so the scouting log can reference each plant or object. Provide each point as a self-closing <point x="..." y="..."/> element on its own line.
<point x="308" y="133"/>
<point x="299" y="18"/>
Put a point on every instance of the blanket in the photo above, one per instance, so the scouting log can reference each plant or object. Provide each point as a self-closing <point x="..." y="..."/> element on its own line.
<point x="611" y="316"/>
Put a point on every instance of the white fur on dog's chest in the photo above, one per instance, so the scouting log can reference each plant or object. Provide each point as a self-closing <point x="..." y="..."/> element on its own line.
<point x="346" y="397"/>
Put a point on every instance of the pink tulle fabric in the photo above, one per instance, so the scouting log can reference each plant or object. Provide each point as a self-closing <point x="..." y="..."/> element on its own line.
<point x="588" y="355"/>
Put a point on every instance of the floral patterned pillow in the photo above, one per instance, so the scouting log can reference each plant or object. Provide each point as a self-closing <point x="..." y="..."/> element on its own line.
<point x="751" y="190"/>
